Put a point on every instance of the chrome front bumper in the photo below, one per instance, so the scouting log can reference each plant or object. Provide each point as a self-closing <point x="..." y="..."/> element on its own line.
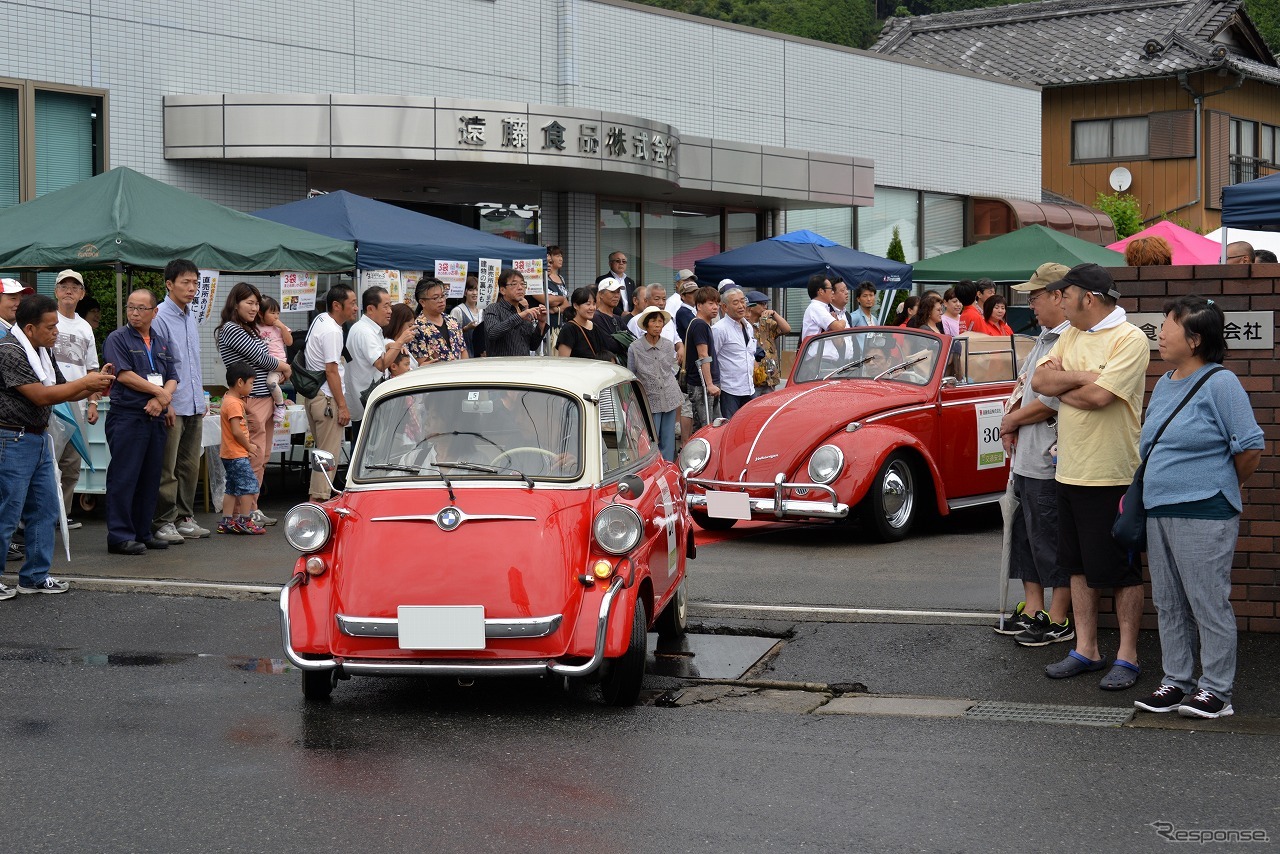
<point x="777" y="507"/>
<point x="382" y="627"/>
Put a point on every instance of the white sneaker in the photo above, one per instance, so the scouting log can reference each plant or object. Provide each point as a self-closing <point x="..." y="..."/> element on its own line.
<point x="7" y="592"/>
<point x="49" y="585"/>
<point x="261" y="519"/>
<point x="169" y="534"/>
<point x="189" y="529"/>
<point x="72" y="524"/>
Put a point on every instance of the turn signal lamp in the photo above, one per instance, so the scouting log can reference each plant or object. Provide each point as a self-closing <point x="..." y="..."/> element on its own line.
<point x="316" y="566"/>
<point x="602" y="570"/>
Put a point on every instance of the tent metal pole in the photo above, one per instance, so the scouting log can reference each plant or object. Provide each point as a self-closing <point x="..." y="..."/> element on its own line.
<point x="119" y="295"/>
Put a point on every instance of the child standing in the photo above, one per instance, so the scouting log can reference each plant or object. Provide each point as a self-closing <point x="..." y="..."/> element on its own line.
<point x="277" y="337"/>
<point x="242" y="486"/>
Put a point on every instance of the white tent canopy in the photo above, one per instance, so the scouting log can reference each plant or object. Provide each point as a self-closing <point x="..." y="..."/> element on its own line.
<point x="1258" y="239"/>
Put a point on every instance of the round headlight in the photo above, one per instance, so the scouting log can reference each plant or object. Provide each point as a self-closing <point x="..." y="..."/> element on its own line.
<point x="306" y="528"/>
<point x="618" y="529"/>
<point x="694" y="456"/>
<point x="825" y="464"/>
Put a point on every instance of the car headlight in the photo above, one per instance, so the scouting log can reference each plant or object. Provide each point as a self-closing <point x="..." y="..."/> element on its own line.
<point x="618" y="529"/>
<point x="694" y="456"/>
<point x="825" y="464"/>
<point x="307" y="528"/>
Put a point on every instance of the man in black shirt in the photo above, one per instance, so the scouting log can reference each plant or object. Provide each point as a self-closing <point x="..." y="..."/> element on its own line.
<point x="511" y="327"/>
<point x="702" y="371"/>
<point x="30" y="384"/>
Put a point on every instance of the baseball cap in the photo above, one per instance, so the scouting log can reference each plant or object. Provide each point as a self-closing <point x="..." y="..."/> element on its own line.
<point x="685" y="275"/>
<point x="1089" y="277"/>
<point x="757" y="298"/>
<point x="13" y="286"/>
<point x="610" y="285"/>
<point x="70" y="274"/>
<point x="725" y="284"/>
<point x="1044" y="275"/>
<point x="687" y="287"/>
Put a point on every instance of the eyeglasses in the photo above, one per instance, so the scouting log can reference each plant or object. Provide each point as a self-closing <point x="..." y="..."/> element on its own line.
<point x="139" y="309"/>
<point x="70" y="286"/>
<point x="617" y="260"/>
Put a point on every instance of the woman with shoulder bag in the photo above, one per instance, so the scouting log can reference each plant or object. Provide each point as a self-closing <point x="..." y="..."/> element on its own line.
<point x="1191" y="490"/>
<point x="582" y="337"/>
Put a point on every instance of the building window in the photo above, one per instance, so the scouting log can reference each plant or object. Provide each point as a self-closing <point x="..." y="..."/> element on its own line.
<point x="1244" y="150"/>
<point x="51" y="137"/>
<point x="1109" y="139"/>
<point x="893" y="208"/>
<point x="1268" y="144"/>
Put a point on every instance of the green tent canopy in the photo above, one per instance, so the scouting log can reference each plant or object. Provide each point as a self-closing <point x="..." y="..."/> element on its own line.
<point x="122" y="218"/>
<point x="1014" y="257"/>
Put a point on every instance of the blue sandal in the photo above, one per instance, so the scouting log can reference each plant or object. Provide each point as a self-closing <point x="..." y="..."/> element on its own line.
<point x="1073" y="665"/>
<point x="1124" y="674"/>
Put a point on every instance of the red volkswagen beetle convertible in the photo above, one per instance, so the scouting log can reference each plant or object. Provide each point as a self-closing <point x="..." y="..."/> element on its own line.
<point x="501" y="517"/>
<point x="876" y="422"/>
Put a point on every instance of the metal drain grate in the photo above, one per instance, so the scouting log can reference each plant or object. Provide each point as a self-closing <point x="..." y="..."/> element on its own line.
<point x="994" y="710"/>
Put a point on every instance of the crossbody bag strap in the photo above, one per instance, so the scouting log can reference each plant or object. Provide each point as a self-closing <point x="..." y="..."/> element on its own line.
<point x="1195" y="388"/>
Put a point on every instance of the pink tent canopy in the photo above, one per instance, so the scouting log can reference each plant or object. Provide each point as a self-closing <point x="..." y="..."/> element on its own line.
<point x="1188" y="247"/>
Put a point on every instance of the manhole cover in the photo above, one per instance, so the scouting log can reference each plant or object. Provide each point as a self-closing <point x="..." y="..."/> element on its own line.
<point x="994" y="710"/>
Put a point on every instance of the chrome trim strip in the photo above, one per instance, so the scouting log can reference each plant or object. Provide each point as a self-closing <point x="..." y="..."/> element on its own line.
<point x="766" y="508"/>
<point x="464" y="517"/>
<point x="921" y="407"/>
<point x="751" y="454"/>
<point x="516" y="627"/>
<point x="455" y="667"/>
<point x="971" y="401"/>
<point x="777" y="485"/>
<point x="974" y="500"/>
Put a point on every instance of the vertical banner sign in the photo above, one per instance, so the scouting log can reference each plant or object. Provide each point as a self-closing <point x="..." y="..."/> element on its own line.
<point x="206" y="293"/>
<point x="408" y="286"/>
<point x="297" y="291"/>
<point x="454" y="275"/>
<point x="489" y="270"/>
<point x="389" y="279"/>
<point x="532" y="272"/>
<point x="990" y="450"/>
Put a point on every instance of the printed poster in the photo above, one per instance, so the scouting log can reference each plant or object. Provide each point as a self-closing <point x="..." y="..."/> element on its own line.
<point x="532" y="272"/>
<point x="206" y="293"/>
<point x="990" y="449"/>
<point x="408" y="285"/>
<point x="454" y="275"/>
<point x="297" y="291"/>
<point x="389" y="279"/>
<point x="489" y="270"/>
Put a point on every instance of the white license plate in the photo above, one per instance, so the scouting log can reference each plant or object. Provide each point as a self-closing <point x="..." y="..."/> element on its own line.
<point x="441" y="626"/>
<point x="728" y="505"/>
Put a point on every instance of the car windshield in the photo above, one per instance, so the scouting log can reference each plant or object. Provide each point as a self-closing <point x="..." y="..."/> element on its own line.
<point x="472" y="432"/>
<point x="900" y="355"/>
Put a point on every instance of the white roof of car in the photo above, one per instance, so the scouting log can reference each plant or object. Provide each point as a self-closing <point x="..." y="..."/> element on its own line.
<point x="576" y="376"/>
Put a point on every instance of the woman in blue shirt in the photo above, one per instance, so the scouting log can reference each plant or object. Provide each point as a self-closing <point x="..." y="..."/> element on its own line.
<point x="1192" y="494"/>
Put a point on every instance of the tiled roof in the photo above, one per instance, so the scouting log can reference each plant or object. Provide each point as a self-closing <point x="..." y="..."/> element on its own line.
<point x="1066" y="42"/>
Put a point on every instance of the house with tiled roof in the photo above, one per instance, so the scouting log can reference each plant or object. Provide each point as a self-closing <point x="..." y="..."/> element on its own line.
<point x="1170" y="99"/>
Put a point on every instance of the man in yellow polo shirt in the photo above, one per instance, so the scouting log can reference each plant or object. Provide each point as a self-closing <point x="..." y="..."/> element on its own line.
<point x="1097" y="370"/>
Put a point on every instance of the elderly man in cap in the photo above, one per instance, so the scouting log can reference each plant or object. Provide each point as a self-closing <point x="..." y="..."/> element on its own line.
<point x="76" y="353"/>
<point x="11" y="293"/>
<point x="1029" y="431"/>
<point x="1097" y="369"/>
<point x="768" y="325"/>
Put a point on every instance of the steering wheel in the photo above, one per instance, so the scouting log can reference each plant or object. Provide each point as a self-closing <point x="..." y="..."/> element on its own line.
<point x="504" y="458"/>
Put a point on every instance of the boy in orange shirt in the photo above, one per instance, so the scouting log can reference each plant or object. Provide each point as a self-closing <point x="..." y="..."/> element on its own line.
<point x="242" y="485"/>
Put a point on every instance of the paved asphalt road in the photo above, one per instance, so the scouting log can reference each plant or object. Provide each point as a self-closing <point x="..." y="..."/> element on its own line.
<point x="148" y="723"/>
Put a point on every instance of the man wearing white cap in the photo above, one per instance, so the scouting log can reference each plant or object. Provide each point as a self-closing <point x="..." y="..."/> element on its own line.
<point x="76" y="352"/>
<point x="11" y="293"/>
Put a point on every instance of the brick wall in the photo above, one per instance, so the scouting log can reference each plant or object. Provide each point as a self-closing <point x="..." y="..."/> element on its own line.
<point x="1255" y="578"/>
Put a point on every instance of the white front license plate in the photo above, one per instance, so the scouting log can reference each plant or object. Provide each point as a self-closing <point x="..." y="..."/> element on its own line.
<point x="728" y="505"/>
<point x="441" y="626"/>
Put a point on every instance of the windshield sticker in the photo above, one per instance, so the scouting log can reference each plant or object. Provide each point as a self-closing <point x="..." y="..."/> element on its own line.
<point x="990" y="450"/>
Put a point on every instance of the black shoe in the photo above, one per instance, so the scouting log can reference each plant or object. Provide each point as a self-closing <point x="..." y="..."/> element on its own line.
<point x="1020" y="621"/>
<point x="1166" y="698"/>
<point x="128" y="547"/>
<point x="1205" y="704"/>
<point x="155" y="543"/>
<point x="15" y="553"/>
<point x="1045" y="632"/>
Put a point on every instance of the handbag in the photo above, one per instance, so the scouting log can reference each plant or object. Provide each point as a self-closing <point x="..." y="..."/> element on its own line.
<point x="1130" y="527"/>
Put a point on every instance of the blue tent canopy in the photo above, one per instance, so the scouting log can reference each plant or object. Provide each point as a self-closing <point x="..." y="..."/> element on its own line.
<point x="788" y="260"/>
<point x="1254" y="205"/>
<point x="392" y="238"/>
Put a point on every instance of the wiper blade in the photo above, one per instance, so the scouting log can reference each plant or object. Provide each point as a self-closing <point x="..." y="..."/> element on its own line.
<point x="394" y="467"/>
<point x="845" y="367"/>
<point x="487" y="469"/>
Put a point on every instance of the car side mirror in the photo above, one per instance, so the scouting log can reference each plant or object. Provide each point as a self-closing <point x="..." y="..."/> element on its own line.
<point x="630" y="487"/>
<point x="950" y="382"/>
<point x="323" y="461"/>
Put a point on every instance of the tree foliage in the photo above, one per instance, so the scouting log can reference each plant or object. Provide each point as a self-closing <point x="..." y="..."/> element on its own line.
<point x="895" y="251"/>
<point x="1124" y="210"/>
<point x="1265" y="15"/>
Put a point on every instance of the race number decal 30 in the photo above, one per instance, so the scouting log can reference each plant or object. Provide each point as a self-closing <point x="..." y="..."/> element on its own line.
<point x="990" y="451"/>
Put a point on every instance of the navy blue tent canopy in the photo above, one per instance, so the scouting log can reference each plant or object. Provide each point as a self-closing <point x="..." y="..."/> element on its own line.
<point x="788" y="260"/>
<point x="1254" y="205"/>
<point x="392" y="238"/>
